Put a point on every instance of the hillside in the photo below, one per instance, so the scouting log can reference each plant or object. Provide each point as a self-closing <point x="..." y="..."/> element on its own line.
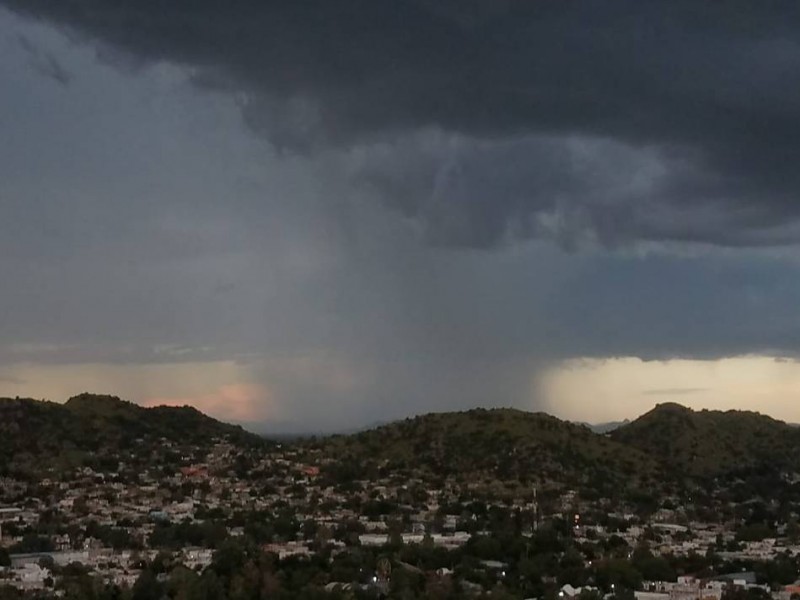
<point x="36" y="435"/>
<point x="711" y="443"/>
<point x="505" y="444"/>
<point x="666" y="444"/>
<point x="183" y="424"/>
<point x="608" y="427"/>
<point x="481" y="445"/>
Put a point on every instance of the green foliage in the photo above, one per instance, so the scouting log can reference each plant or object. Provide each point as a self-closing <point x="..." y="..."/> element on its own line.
<point x="617" y="574"/>
<point x="652" y="568"/>
<point x="32" y="543"/>
<point x="506" y="443"/>
<point x="754" y="532"/>
<point x="91" y="430"/>
<point x="207" y="534"/>
<point x="712" y="443"/>
<point x="738" y="593"/>
<point x="9" y="593"/>
<point x="781" y="571"/>
<point x="147" y="587"/>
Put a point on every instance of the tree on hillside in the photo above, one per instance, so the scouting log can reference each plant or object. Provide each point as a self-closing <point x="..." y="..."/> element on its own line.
<point x="734" y="592"/>
<point x="146" y="587"/>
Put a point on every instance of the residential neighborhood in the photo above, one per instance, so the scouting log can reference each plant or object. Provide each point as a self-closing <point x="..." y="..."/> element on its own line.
<point x="120" y="524"/>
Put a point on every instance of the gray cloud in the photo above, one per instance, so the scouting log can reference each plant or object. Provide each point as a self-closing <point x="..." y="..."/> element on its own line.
<point x="141" y="222"/>
<point x="44" y="62"/>
<point x="670" y="307"/>
<point x="708" y="98"/>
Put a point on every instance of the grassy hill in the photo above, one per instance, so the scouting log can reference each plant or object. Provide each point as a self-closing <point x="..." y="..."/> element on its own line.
<point x="36" y="435"/>
<point x="667" y="443"/>
<point x="185" y="424"/>
<point x="710" y="443"/>
<point x="499" y="443"/>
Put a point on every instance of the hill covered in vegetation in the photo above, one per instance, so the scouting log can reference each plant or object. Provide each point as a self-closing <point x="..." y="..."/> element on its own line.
<point x="669" y="443"/>
<point x="497" y="444"/>
<point x="710" y="443"/>
<point x="37" y="435"/>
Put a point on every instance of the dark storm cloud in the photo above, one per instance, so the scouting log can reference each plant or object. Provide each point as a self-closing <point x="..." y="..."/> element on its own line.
<point x="668" y="307"/>
<point x="552" y="105"/>
<point x="44" y="62"/>
<point x="143" y="223"/>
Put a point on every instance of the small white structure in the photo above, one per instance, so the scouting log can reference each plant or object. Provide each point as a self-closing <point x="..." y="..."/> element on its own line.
<point x="30" y="577"/>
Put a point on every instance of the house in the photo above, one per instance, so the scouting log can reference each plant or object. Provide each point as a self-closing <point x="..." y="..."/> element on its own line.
<point x="30" y="577"/>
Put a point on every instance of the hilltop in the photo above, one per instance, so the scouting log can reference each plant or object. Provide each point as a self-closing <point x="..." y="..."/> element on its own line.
<point x="175" y="423"/>
<point x="88" y="429"/>
<point x="505" y="444"/>
<point x="671" y="442"/>
<point x="712" y="443"/>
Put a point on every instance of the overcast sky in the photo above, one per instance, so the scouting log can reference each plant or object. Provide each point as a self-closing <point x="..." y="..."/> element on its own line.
<point x="316" y="215"/>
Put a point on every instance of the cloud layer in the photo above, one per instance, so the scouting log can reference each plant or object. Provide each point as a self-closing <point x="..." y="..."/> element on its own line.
<point x="348" y="212"/>
<point x="639" y="121"/>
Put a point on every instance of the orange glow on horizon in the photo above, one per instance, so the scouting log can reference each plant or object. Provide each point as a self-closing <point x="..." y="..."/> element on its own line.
<point x="240" y="402"/>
